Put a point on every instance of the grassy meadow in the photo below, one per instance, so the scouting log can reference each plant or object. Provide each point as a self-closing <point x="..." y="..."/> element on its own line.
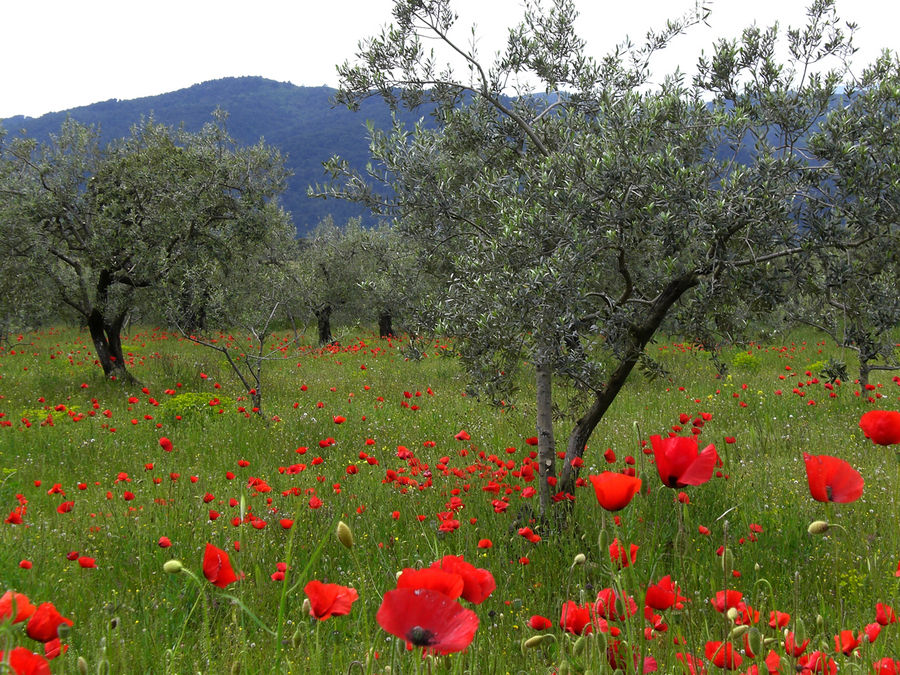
<point x="362" y="434"/>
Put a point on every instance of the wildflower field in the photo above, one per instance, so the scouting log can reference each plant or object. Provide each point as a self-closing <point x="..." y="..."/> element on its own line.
<point x="375" y="518"/>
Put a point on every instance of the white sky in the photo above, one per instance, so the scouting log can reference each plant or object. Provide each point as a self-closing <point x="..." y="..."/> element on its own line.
<point x="59" y="54"/>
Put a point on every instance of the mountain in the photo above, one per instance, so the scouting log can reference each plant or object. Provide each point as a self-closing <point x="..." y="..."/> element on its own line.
<point x="300" y="121"/>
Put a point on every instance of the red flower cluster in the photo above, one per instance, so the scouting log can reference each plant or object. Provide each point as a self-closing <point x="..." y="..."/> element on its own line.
<point x="43" y="623"/>
<point x="424" y="610"/>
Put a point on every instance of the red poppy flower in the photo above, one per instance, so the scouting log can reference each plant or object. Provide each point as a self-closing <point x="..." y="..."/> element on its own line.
<point x="621" y="555"/>
<point x="818" y="662"/>
<point x="871" y="631"/>
<point x="327" y="600"/>
<point x="485" y="543"/>
<point x="576" y="619"/>
<point x="463" y="435"/>
<point x="679" y="463"/>
<point x="663" y="595"/>
<point x="723" y="655"/>
<point x="615" y="490"/>
<point x="882" y="426"/>
<point x="779" y="619"/>
<point x="832" y="479"/>
<point x="427" y="619"/>
<point x="846" y="641"/>
<point x="44" y="623"/>
<point x="23" y="661"/>
<point x="54" y="648"/>
<point x="886" y="666"/>
<point x="24" y="609"/>
<point x="433" y="579"/>
<point x="166" y="444"/>
<point x="86" y="562"/>
<point x="725" y="600"/>
<point x="791" y="647"/>
<point x="478" y="583"/>
<point x="884" y="614"/>
<point x="609" y="603"/>
<point x="773" y="662"/>
<point x="692" y="664"/>
<point x="538" y="622"/>
<point x="217" y="567"/>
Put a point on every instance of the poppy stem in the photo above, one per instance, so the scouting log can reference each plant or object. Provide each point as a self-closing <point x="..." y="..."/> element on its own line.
<point x="186" y="621"/>
<point x="362" y="579"/>
<point x="282" y="603"/>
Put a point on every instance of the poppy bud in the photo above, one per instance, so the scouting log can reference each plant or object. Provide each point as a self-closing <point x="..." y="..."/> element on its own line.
<point x="579" y="560"/>
<point x="818" y="527"/>
<point x="304" y="609"/>
<point x="755" y="640"/>
<point x="820" y="623"/>
<point x="82" y="666"/>
<point x="732" y="614"/>
<point x="172" y="566"/>
<point x="727" y="560"/>
<point x="799" y="632"/>
<point x="530" y="643"/>
<point x="603" y="542"/>
<point x="296" y="638"/>
<point x="563" y="668"/>
<point x="738" y="631"/>
<point x="579" y="645"/>
<point x="344" y="534"/>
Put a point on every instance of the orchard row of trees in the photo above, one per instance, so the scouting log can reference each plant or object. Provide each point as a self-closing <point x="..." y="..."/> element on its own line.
<point x="574" y="219"/>
<point x="175" y="227"/>
<point x="558" y="231"/>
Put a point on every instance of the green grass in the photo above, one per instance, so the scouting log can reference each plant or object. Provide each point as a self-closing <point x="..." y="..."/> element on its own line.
<point x="128" y="612"/>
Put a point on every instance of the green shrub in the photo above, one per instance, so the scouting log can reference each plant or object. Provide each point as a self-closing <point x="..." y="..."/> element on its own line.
<point x="193" y="403"/>
<point x="745" y="361"/>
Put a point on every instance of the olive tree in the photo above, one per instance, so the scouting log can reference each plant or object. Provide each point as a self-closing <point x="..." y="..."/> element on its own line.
<point x="111" y="227"/>
<point x="573" y="220"/>
<point x="851" y="284"/>
<point x="356" y="273"/>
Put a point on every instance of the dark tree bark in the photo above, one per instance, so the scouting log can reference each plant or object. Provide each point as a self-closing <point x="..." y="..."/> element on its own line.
<point x="106" y="333"/>
<point x="323" y="319"/>
<point x="108" y="344"/>
<point x="546" y="442"/>
<point x="385" y="324"/>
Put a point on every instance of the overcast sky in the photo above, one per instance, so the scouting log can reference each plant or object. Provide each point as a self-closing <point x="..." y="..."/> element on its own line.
<point x="58" y="54"/>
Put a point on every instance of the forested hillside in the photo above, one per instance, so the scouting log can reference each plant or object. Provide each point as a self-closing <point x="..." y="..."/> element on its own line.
<point x="301" y="121"/>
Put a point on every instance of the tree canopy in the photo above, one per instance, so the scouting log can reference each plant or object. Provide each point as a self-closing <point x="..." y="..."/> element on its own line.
<point x="114" y="227"/>
<point x="573" y="221"/>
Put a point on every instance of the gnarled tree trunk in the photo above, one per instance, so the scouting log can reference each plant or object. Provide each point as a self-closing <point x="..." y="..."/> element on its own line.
<point x="640" y="336"/>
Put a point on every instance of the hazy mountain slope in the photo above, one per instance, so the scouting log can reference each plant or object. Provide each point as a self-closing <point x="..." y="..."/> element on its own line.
<point x="299" y="120"/>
